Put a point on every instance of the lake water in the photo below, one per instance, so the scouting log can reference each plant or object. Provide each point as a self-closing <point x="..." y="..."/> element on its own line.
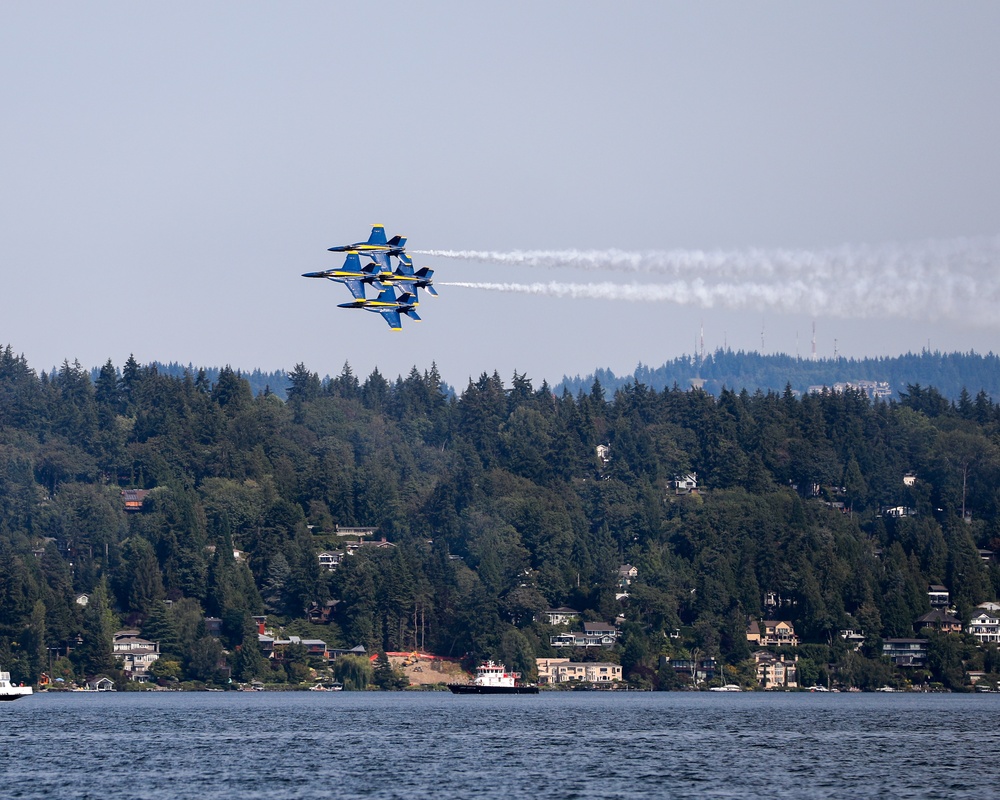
<point x="552" y="745"/>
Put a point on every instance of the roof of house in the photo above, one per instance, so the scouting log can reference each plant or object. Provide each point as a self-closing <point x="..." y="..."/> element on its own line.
<point x="597" y="627"/>
<point x="937" y="615"/>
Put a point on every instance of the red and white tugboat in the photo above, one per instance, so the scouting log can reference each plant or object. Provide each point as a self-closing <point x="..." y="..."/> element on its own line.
<point x="493" y="678"/>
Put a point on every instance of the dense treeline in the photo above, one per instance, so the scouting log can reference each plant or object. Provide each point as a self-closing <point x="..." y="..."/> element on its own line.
<point x="498" y="506"/>
<point x="949" y="373"/>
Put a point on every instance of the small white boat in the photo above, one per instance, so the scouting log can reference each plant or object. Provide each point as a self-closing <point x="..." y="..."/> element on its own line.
<point x="9" y="691"/>
<point x="729" y="687"/>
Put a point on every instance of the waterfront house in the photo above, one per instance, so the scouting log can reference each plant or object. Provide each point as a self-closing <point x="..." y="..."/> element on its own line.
<point x="315" y="648"/>
<point x="698" y="671"/>
<point x="562" y="670"/>
<point x="333" y="653"/>
<point x="774" y="672"/>
<point x="136" y="654"/>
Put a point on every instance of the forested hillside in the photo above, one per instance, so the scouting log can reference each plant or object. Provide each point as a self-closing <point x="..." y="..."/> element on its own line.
<point x="948" y="373"/>
<point x="499" y="508"/>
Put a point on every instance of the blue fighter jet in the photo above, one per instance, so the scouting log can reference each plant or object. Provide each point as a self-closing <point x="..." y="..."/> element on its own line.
<point x="389" y="306"/>
<point x="376" y="243"/>
<point x="352" y="275"/>
<point x="404" y="276"/>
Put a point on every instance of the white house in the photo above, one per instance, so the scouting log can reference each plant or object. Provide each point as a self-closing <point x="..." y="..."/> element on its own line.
<point x="561" y="615"/>
<point x="686" y="484"/>
<point x="985" y="625"/>
<point x="594" y="634"/>
<point x="329" y="559"/>
<point x="137" y="655"/>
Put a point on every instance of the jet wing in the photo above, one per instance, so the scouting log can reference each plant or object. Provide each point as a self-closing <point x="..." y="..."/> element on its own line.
<point x="356" y="288"/>
<point x="391" y="316"/>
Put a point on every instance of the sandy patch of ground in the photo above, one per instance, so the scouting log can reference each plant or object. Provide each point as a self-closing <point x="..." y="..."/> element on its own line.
<point x="424" y="669"/>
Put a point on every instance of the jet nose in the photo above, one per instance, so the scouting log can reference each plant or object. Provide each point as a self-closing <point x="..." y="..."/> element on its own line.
<point x="313" y="274"/>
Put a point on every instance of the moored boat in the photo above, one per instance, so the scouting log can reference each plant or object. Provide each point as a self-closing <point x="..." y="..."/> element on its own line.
<point x="493" y="678"/>
<point x="8" y="691"/>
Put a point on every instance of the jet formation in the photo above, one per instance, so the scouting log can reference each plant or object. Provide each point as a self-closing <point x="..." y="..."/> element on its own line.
<point x="379" y="274"/>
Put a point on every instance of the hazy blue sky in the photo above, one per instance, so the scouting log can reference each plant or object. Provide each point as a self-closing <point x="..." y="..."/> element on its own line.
<point x="168" y="171"/>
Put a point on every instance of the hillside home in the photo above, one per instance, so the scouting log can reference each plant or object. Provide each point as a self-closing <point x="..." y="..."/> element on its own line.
<point x="938" y="620"/>
<point x="343" y="530"/>
<point x="626" y="574"/>
<point x="132" y="499"/>
<point x="686" y="484"/>
<point x="985" y="626"/>
<point x="561" y="615"/>
<point x="594" y="634"/>
<point x="905" y="652"/>
<point x="938" y="595"/>
<point x="382" y="544"/>
<point x="329" y="559"/>
<point x="853" y="638"/>
<point x="772" y="633"/>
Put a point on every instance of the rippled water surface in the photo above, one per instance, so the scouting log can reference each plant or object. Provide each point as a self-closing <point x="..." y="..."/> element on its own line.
<point x="553" y="745"/>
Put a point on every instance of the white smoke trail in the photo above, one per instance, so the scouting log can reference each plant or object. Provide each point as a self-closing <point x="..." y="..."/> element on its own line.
<point x="923" y="258"/>
<point x="955" y="279"/>
<point x="858" y="301"/>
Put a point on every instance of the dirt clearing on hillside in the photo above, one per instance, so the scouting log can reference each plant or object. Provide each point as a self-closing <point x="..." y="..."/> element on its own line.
<point x="423" y="669"/>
